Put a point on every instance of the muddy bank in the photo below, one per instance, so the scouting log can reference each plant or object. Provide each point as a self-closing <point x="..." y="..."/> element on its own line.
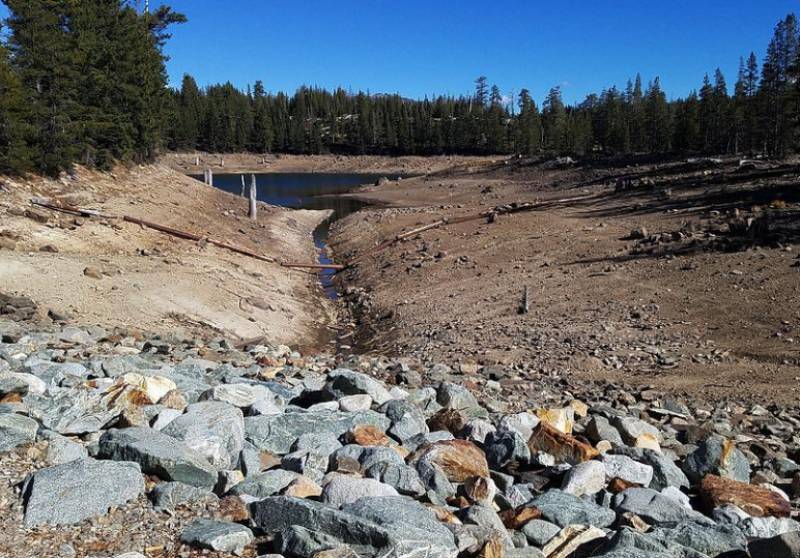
<point x="113" y="273"/>
<point x="685" y="306"/>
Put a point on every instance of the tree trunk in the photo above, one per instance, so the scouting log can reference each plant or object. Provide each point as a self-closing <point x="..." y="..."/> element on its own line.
<point x="242" y="194"/>
<point x="253" y="207"/>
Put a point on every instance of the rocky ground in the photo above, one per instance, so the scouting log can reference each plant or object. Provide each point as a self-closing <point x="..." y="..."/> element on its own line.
<point x="115" y="443"/>
<point x="683" y="274"/>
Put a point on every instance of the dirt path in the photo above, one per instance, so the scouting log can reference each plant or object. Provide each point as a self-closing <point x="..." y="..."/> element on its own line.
<point x="118" y="274"/>
<point x="688" y="308"/>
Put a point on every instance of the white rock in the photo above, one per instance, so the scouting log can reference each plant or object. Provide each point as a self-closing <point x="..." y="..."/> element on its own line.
<point x="352" y="403"/>
<point x="588" y="477"/>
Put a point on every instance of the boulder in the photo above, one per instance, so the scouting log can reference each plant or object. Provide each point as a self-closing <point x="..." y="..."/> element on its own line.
<point x="341" y="489"/>
<point x="754" y="500"/>
<point x="458" y="459"/>
<point x="268" y="483"/>
<point x="343" y="382"/>
<point x="212" y="428"/>
<point x="371" y="526"/>
<point x="277" y="433"/>
<point x="655" y="508"/>
<point x="16" y="430"/>
<point x="69" y="493"/>
<point x="565" y="509"/>
<point x="166" y="495"/>
<point x="718" y="456"/>
<point x="158" y="454"/>
<point x="625" y="468"/>
<point x="564" y="447"/>
<point x="588" y="477"/>
<point x="786" y="545"/>
<point x="221" y="536"/>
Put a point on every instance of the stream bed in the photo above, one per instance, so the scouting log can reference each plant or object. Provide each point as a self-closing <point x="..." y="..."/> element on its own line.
<point x="299" y="190"/>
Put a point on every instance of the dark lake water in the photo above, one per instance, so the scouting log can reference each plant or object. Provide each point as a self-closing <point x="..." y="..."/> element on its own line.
<point x="306" y="191"/>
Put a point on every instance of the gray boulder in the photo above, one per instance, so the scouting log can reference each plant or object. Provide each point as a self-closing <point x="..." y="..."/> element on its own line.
<point x="212" y="428"/>
<point x="665" y="471"/>
<point x="158" y="454"/>
<point x="221" y="536"/>
<point x="781" y="546"/>
<point x="341" y="489"/>
<point x="565" y="509"/>
<point x="402" y="478"/>
<point x="539" y="532"/>
<point x="655" y="508"/>
<point x="16" y="430"/>
<point x="711" y="540"/>
<point x="277" y="433"/>
<point x="268" y="483"/>
<point x="388" y="526"/>
<point x="407" y="420"/>
<point x="78" y="490"/>
<point x="166" y="495"/>
<point x="61" y="449"/>
<point x="625" y="468"/>
<point x="342" y="382"/>
<point x="599" y="428"/>
<point x="452" y="396"/>
<point x="717" y="456"/>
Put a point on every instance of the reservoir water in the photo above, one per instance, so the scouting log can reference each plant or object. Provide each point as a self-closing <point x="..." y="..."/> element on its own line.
<point x="299" y="190"/>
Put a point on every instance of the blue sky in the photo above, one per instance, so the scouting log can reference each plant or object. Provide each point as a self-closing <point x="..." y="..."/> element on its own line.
<point x="418" y="48"/>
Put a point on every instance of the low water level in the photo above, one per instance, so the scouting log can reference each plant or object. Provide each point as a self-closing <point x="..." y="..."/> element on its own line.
<point x="307" y="191"/>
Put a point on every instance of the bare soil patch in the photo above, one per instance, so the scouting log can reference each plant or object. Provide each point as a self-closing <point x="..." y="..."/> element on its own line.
<point x="683" y="275"/>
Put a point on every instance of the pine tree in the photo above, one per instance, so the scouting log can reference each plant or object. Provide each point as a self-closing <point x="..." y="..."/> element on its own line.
<point x="15" y="155"/>
<point x="530" y="125"/>
<point x="657" y="118"/>
<point x="554" y="119"/>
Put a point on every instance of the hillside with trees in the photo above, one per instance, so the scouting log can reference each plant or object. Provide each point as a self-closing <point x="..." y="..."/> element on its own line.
<point x="86" y="83"/>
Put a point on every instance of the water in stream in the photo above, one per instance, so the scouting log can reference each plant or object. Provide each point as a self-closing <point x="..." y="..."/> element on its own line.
<point x="307" y="191"/>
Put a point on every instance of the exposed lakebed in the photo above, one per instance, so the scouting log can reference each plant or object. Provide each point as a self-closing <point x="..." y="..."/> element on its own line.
<point x="299" y="190"/>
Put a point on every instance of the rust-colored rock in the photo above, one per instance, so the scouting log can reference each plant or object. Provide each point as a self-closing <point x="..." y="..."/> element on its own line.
<point x="492" y="549"/>
<point x="563" y="447"/>
<point x="303" y="487"/>
<point x="480" y="490"/>
<point x="755" y="500"/>
<point x="451" y="420"/>
<point x="458" y="459"/>
<point x="368" y="435"/>
<point x="11" y="398"/>
<point x="173" y="399"/>
<point x="268" y="460"/>
<point x="233" y="508"/>
<point x="516" y="518"/>
<point x="618" y="485"/>
<point x="443" y="514"/>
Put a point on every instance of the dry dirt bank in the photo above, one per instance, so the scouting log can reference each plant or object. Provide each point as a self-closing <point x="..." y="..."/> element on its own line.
<point x="243" y="162"/>
<point x="690" y="307"/>
<point x="113" y="273"/>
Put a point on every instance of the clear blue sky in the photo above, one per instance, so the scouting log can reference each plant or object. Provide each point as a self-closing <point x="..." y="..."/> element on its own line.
<point x="418" y="48"/>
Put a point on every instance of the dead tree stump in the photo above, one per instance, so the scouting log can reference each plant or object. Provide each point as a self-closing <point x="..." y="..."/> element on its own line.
<point x="253" y="207"/>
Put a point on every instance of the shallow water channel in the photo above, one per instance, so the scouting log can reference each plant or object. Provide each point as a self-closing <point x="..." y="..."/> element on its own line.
<point x="307" y="191"/>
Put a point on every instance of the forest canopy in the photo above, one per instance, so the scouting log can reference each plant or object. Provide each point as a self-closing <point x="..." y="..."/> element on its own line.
<point x="85" y="83"/>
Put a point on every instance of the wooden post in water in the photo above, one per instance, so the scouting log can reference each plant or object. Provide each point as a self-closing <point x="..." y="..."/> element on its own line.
<point x="242" y="194"/>
<point x="253" y="207"/>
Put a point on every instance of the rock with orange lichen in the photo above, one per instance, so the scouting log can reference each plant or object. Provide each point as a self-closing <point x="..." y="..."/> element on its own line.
<point x="458" y="459"/>
<point x="757" y="501"/>
<point x="563" y="447"/>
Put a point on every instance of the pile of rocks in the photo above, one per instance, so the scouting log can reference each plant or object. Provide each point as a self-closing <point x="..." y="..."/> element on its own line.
<point x="361" y="457"/>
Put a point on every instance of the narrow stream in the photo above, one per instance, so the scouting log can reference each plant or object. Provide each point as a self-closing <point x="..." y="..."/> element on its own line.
<point x="307" y="191"/>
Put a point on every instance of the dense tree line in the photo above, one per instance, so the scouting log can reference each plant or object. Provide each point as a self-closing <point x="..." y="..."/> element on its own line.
<point x="85" y="82"/>
<point x="760" y="115"/>
<point x="81" y="82"/>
